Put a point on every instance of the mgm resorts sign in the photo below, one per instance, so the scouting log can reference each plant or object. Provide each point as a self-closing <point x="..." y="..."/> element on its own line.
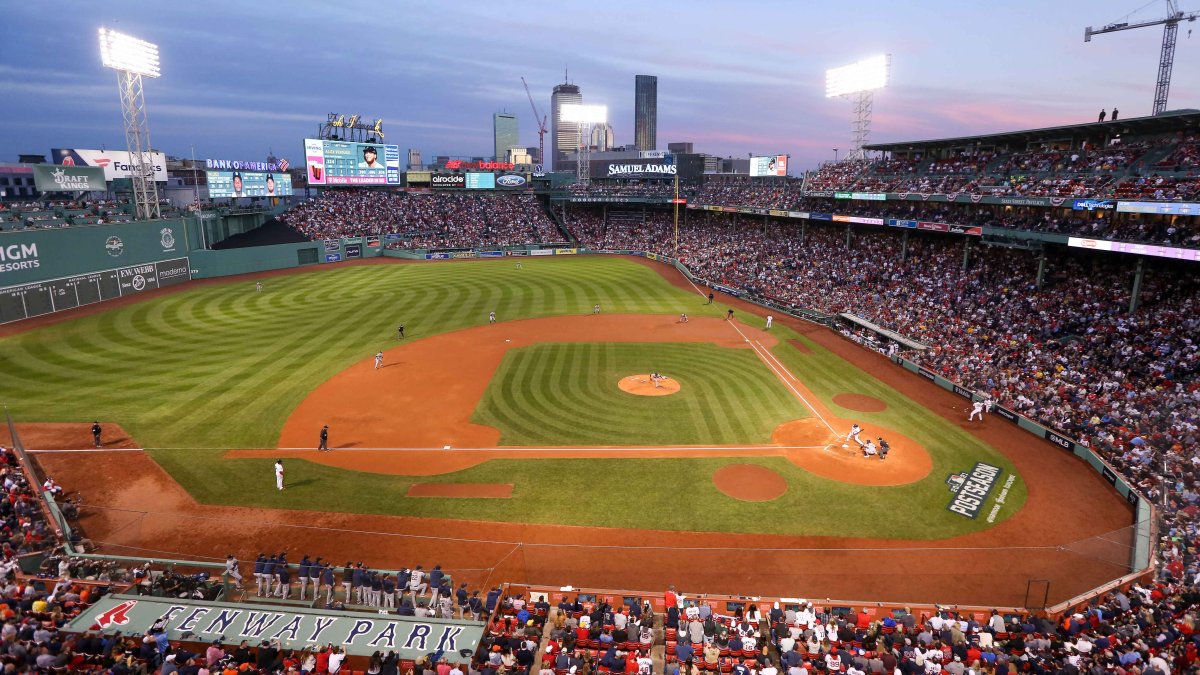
<point x="635" y="169"/>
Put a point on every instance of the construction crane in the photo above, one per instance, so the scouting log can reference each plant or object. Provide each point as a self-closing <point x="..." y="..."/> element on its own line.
<point x="540" y="119"/>
<point x="1166" y="59"/>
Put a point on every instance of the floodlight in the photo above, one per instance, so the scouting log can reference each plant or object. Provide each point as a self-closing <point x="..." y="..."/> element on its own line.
<point x="866" y="75"/>
<point x="122" y="52"/>
<point x="584" y="114"/>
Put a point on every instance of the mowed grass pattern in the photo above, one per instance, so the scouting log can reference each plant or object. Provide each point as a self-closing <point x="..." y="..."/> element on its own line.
<point x="221" y="366"/>
<point x="567" y="394"/>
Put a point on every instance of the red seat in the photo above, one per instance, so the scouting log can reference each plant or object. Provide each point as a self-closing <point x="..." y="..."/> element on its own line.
<point x="672" y="633"/>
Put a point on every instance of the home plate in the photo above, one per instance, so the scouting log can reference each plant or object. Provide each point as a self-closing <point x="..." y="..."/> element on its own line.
<point x="508" y="340"/>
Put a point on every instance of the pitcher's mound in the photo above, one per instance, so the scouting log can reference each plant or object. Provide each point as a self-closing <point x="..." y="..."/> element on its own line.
<point x="642" y="386"/>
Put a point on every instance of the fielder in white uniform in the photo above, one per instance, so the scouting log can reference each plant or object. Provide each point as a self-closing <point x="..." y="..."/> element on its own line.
<point x="378" y="360"/>
<point x="491" y="317"/>
<point x="231" y="568"/>
<point x="279" y="473"/>
<point x="770" y="320"/>
<point x="976" y="410"/>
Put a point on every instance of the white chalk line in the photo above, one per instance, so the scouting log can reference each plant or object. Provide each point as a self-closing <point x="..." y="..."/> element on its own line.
<point x="32" y="452"/>
<point x="581" y="449"/>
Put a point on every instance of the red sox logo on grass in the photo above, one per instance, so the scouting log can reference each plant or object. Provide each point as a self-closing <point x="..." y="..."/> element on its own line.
<point x="117" y="616"/>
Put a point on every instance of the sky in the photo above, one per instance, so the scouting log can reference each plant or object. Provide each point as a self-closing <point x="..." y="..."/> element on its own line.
<point x="241" y="79"/>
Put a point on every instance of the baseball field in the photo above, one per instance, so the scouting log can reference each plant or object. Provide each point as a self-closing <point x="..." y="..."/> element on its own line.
<point x="541" y="429"/>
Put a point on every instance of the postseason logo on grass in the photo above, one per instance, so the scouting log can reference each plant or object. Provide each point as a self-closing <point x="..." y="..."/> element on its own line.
<point x="972" y="488"/>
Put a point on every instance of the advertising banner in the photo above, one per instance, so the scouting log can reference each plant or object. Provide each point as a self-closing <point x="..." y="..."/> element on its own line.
<point x="971" y="489"/>
<point x="373" y="242"/>
<point x="52" y="178"/>
<point x="333" y="257"/>
<point x="634" y="168"/>
<point x="775" y="165"/>
<point x="234" y="184"/>
<point x="55" y="295"/>
<point x="491" y="254"/>
<point x="1093" y="205"/>
<point x="511" y="180"/>
<point x="353" y="251"/>
<point x="1137" y="249"/>
<point x="542" y="251"/>
<point x="346" y="163"/>
<point x="332" y="245"/>
<point x="448" y="180"/>
<point x="565" y="251"/>
<point x="359" y="633"/>
<point x="1164" y="208"/>
<point x="116" y="163"/>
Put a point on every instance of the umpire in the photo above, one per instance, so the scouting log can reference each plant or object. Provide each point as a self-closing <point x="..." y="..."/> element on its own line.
<point x="324" y="438"/>
<point x="96" y="432"/>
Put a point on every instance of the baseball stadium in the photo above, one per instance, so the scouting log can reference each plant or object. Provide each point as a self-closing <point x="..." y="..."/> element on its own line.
<point x="931" y="404"/>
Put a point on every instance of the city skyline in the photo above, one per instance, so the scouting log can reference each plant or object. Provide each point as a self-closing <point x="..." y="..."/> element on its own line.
<point x="242" y="80"/>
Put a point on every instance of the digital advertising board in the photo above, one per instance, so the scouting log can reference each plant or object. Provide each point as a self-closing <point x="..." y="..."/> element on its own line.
<point x="447" y="180"/>
<point x="481" y="181"/>
<point x="775" y="165"/>
<point x="346" y="163"/>
<point x="116" y="163"/>
<point x="245" y="184"/>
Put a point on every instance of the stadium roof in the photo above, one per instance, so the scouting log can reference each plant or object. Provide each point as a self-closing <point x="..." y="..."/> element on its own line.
<point x="1175" y="120"/>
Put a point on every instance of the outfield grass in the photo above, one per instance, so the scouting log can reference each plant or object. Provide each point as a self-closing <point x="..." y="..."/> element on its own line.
<point x="567" y="394"/>
<point x="221" y="366"/>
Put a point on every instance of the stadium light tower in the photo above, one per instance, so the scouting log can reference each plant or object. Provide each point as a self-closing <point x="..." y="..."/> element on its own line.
<point x="859" y="80"/>
<point x="132" y="59"/>
<point x="587" y="116"/>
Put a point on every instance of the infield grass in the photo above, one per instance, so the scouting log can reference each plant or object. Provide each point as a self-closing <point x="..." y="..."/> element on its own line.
<point x="567" y="394"/>
<point x="219" y="366"/>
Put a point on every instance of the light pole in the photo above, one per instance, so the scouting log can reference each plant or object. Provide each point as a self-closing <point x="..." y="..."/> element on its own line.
<point x="132" y="59"/>
<point x="835" y="155"/>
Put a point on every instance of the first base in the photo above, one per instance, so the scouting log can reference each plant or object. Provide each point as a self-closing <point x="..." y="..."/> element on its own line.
<point x="844" y="445"/>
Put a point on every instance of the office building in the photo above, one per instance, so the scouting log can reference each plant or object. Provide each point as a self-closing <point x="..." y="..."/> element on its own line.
<point x="680" y="148"/>
<point x="602" y="137"/>
<point x="505" y="134"/>
<point x="564" y="136"/>
<point x="645" y="112"/>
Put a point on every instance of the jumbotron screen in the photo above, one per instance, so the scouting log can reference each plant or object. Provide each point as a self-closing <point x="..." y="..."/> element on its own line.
<point x="247" y="184"/>
<point x="775" y="165"/>
<point x="346" y="163"/>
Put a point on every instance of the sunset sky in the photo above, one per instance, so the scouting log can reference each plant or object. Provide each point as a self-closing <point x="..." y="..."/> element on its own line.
<point x="240" y="79"/>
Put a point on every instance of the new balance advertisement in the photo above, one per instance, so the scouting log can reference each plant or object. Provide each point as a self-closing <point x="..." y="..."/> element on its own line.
<point x="50" y="178"/>
<point x="116" y="163"/>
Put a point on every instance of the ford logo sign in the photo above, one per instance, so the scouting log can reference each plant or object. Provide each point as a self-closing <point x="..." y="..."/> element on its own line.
<point x="510" y="181"/>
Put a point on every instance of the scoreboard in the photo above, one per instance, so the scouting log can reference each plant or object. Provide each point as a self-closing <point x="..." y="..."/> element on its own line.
<point x="55" y="295"/>
<point x="225" y="184"/>
<point x="346" y="163"/>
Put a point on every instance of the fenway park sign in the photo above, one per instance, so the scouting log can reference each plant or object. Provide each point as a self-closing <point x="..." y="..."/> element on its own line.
<point x="361" y="633"/>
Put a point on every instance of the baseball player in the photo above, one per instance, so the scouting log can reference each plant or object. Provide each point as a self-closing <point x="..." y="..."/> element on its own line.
<point x="596" y="308"/>
<point x="302" y="575"/>
<point x="976" y="410"/>
<point x="884" y="448"/>
<point x="324" y="438"/>
<point x="770" y="320"/>
<point x="520" y="266"/>
<point x="400" y="331"/>
<point x="378" y="360"/>
<point x="258" y="287"/>
<point x="988" y="403"/>
<point x="855" y="430"/>
<point x="868" y="449"/>
<point x="729" y="315"/>
<point x="231" y="568"/>
<point x="96" y="431"/>
<point x="492" y="317"/>
<point x="683" y="318"/>
<point x="259" y="563"/>
<point x="279" y="474"/>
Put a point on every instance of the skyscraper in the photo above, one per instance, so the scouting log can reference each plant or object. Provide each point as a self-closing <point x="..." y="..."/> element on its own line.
<point x="504" y="131"/>
<point x="645" y="112"/>
<point x="564" y="136"/>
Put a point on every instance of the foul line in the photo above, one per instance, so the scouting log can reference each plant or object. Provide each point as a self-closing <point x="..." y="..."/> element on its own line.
<point x="769" y="359"/>
<point x="581" y="449"/>
<point x="33" y="452"/>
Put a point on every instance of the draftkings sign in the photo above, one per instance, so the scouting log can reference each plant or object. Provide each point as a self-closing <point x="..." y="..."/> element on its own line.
<point x="54" y="178"/>
<point x="360" y="633"/>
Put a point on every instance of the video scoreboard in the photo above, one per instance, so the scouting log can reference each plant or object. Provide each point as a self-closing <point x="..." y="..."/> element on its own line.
<point x="346" y="163"/>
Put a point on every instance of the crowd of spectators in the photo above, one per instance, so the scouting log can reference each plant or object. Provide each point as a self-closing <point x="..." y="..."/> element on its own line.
<point x="425" y="220"/>
<point x="55" y="214"/>
<point x="1147" y="630"/>
<point x="650" y="189"/>
<point x="1069" y="354"/>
